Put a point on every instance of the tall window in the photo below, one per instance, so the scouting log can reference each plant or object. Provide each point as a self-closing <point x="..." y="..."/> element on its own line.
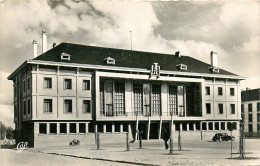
<point x="68" y="106"/>
<point x="258" y="106"/>
<point x="208" y="108"/>
<point x="258" y="117"/>
<point x="86" y="106"/>
<point x="220" y="108"/>
<point x="250" y="118"/>
<point x="86" y="85"/>
<point x="138" y="98"/>
<point x="156" y="100"/>
<point x="24" y="107"/>
<point x="24" y="86"/>
<point x="47" y="83"/>
<point x="102" y="98"/>
<point x="29" y="106"/>
<point x="28" y="84"/>
<point x="232" y="108"/>
<point x="207" y="90"/>
<point x="220" y="91"/>
<point x="173" y="99"/>
<point x="47" y="107"/>
<point x="67" y="84"/>
<point x="249" y="107"/>
<point x="232" y="91"/>
<point x="250" y="128"/>
<point x="120" y="98"/>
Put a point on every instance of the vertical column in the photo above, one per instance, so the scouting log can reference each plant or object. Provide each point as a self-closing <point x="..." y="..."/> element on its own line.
<point x="148" y="131"/>
<point x="219" y="125"/>
<point x="180" y="126"/>
<point x="173" y="127"/>
<point x="207" y="126"/>
<point x="213" y="126"/>
<point x="77" y="128"/>
<point x="188" y="127"/>
<point x="130" y="131"/>
<point x="194" y="127"/>
<point x="58" y="128"/>
<point x="68" y="126"/>
<point x="225" y="125"/>
<point x="104" y="128"/>
<point x="113" y="127"/>
<point x="87" y="127"/>
<point x="48" y="128"/>
<point x="96" y="128"/>
<point x="121" y="128"/>
<point x="160" y="128"/>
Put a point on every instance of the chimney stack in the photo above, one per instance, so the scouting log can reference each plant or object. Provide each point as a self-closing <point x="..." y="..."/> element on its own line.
<point x="177" y="54"/>
<point x="44" y="41"/>
<point x="34" y="49"/>
<point x="54" y="45"/>
<point x="214" y="59"/>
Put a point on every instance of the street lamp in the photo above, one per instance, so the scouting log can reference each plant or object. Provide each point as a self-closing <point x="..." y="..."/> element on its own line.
<point x="171" y="135"/>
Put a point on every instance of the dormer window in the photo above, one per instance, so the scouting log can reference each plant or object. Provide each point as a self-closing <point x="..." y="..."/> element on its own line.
<point x="65" y="56"/>
<point x="182" y="67"/>
<point x="110" y="61"/>
<point x="214" y="69"/>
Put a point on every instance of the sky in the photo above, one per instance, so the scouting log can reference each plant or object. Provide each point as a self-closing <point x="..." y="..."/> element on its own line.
<point x="194" y="28"/>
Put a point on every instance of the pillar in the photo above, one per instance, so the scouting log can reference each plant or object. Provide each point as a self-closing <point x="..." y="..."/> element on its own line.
<point x="148" y="131"/>
<point x="160" y="128"/>
<point x="194" y="127"/>
<point x="225" y="125"/>
<point x="104" y="128"/>
<point x="96" y="128"/>
<point x="58" y="128"/>
<point x="48" y="129"/>
<point x="219" y="125"/>
<point x="213" y="126"/>
<point x="87" y="127"/>
<point x="121" y="128"/>
<point x="77" y="127"/>
<point x="68" y="128"/>
<point x="188" y="126"/>
<point x="180" y="126"/>
<point x="113" y="128"/>
<point x="207" y="126"/>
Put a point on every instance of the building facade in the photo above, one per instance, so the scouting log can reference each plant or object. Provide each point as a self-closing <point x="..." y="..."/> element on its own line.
<point x="72" y="91"/>
<point x="250" y="110"/>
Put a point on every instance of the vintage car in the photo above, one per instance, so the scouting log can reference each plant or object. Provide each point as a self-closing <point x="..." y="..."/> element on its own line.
<point x="223" y="137"/>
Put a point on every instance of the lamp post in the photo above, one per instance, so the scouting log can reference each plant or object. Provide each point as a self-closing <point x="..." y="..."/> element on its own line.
<point x="171" y="135"/>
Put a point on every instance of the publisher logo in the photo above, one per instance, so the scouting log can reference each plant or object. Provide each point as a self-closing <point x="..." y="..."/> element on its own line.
<point x="21" y="146"/>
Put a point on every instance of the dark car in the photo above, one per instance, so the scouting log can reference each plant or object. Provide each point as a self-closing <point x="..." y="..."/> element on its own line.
<point x="226" y="137"/>
<point x="223" y="137"/>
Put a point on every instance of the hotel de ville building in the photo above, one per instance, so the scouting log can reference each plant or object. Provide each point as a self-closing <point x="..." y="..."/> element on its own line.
<point x="72" y="91"/>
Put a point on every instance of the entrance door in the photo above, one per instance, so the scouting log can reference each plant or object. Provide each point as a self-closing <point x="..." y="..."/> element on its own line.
<point x="154" y="131"/>
<point x="165" y="126"/>
<point x="143" y="127"/>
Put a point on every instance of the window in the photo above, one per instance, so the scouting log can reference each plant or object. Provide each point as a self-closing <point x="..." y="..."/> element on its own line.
<point x="63" y="128"/>
<point x="258" y="117"/>
<point x="250" y="128"/>
<point x="86" y="85"/>
<point x="65" y="56"/>
<point x="232" y="108"/>
<point x="220" y="108"/>
<point x="258" y="106"/>
<point x="53" y="128"/>
<point x="24" y="86"/>
<point x="68" y="106"/>
<point x="250" y="118"/>
<point x="258" y="128"/>
<point x="29" y="106"/>
<point x="119" y="98"/>
<point x="208" y="108"/>
<point x="207" y="90"/>
<point x="182" y="67"/>
<point x="82" y="127"/>
<point x="86" y="106"/>
<point x="156" y="100"/>
<point x="220" y="91"/>
<point x="249" y="107"/>
<point x="102" y="98"/>
<point x="110" y="61"/>
<point x="47" y="107"/>
<point x="138" y="98"/>
<point x="72" y="127"/>
<point x="43" y="128"/>
<point x="173" y="99"/>
<point x="67" y="84"/>
<point x="24" y="107"/>
<point x="242" y="108"/>
<point x="232" y="91"/>
<point x="47" y="84"/>
<point x="28" y="84"/>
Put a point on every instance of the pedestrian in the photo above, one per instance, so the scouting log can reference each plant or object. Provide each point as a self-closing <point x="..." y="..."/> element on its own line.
<point x="140" y="139"/>
<point x="166" y="137"/>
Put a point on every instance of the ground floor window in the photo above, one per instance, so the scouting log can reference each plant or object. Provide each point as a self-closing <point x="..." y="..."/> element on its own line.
<point x="73" y="128"/>
<point x="63" y="128"/>
<point x="82" y="127"/>
<point x="43" y="128"/>
<point x="204" y="126"/>
<point x="222" y="125"/>
<point x="216" y="125"/>
<point x="53" y="128"/>
<point x="250" y="128"/>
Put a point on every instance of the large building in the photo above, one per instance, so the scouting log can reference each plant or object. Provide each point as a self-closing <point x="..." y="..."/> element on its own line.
<point x="73" y="90"/>
<point x="251" y="111"/>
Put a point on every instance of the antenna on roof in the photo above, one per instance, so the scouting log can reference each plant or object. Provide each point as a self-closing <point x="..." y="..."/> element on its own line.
<point x="131" y="39"/>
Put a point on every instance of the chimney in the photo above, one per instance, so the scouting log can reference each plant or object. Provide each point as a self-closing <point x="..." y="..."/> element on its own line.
<point x="54" y="45"/>
<point x="34" y="49"/>
<point x="44" y="41"/>
<point x="177" y="54"/>
<point x="214" y="59"/>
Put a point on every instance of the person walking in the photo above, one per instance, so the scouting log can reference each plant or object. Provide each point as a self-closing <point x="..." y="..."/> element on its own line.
<point x="166" y="137"/>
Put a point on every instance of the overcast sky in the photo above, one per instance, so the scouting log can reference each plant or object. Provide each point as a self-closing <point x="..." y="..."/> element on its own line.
<point x="194" y="28"/>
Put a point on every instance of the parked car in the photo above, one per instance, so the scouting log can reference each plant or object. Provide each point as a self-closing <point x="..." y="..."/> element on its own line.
<point x="223" y="137"/>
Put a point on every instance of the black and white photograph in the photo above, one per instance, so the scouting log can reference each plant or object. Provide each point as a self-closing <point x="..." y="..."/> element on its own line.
<point x="129" y="82"/>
